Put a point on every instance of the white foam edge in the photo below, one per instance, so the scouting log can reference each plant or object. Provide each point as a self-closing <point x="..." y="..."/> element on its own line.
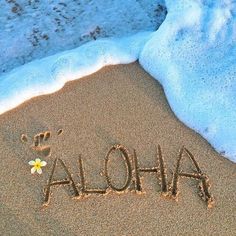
<point x="50" y="74"/>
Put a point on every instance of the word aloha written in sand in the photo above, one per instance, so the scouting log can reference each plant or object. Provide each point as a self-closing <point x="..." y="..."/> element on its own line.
<point x="133" y="172"/>
<point x="133" y="176"/>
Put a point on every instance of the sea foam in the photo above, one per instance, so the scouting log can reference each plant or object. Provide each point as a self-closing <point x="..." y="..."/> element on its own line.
<point x="192" y="55"/>
<point x="32" y="30"/>
<point x="48" y="75"/>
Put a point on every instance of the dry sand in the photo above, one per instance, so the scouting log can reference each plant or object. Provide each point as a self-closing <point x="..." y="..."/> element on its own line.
<point x="119" y="104"/>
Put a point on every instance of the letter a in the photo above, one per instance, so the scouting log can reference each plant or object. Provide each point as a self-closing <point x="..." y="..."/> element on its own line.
<point x="198" y="175"/>
<point x="52" y="182"/>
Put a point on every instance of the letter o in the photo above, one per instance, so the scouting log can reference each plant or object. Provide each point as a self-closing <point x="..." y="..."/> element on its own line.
<point x="127" y="164"/>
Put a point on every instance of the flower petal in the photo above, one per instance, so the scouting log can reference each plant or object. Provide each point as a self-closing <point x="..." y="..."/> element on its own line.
<point x="37" y="160"/>
<point x="43" y="163"/>
<point x="33" y="169"/>
<point x="39" y="170"/>
<point x="31" y="163"/>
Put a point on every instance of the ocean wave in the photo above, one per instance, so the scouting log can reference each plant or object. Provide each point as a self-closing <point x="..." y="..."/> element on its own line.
<point x="192" y="55"/>
<point x="32" y="30"/>
<point x="49" y="74"/>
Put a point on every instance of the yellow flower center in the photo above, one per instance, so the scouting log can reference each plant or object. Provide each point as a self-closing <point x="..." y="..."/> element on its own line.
<point x="37" y="166"/>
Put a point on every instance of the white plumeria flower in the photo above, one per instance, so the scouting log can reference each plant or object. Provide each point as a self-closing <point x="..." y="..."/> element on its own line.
<point x="37" y="164"/>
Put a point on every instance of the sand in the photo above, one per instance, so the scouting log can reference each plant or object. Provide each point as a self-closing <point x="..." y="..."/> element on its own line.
<point x="117" y="105"/>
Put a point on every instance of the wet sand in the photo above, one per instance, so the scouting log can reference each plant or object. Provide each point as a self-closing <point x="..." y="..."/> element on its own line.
<point x="117" y="105"/>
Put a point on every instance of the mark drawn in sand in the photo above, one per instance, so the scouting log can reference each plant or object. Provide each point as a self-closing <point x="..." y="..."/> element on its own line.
<point x="202" y="178"/>
<point x="133" y="181"/>
<point x="52" y="182"/>
<point x="40" y="145"/>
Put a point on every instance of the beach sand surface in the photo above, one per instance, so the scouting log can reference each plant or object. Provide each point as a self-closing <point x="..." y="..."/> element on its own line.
<point x="117" y="105"/>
